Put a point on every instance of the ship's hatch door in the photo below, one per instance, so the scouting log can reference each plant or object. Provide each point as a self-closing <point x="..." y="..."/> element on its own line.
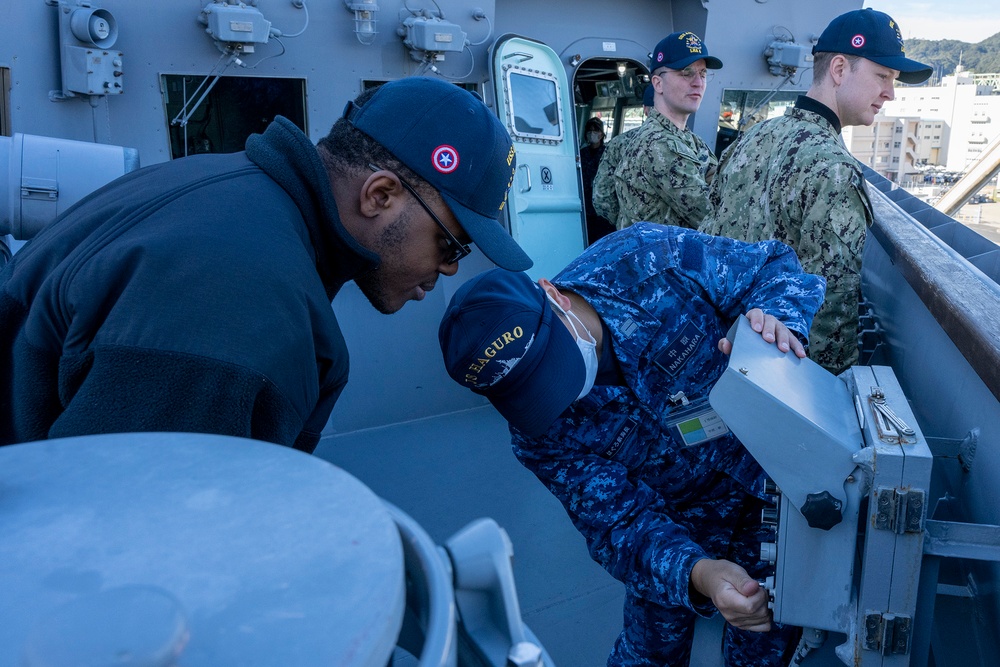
<point x="533" y="101"/>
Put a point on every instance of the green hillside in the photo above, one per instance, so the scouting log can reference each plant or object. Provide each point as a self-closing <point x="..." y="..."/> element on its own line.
<point x="944" y="54"/>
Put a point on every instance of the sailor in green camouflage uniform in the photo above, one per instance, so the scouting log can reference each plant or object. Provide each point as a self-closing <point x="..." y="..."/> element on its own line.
<point x="664" y="173"/>
<point x="792" y="179"/>
<point x="811" y="197"/>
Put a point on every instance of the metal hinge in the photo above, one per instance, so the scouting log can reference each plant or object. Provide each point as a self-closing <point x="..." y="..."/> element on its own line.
<point x="898" y="510"/>
<point x="889" y="634"/>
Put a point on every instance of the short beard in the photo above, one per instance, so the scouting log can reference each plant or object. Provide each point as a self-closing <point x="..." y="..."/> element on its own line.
<point x="390" y="244"/>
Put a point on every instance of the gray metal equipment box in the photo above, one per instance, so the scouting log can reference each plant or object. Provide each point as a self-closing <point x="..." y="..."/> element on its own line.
<point x="847" y="458"/>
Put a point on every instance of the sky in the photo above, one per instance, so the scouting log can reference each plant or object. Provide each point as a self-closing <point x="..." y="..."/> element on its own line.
<point x="965" y="20"/>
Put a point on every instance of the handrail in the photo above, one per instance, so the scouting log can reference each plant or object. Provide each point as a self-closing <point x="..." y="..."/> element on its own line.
<point x="964" y="301"/>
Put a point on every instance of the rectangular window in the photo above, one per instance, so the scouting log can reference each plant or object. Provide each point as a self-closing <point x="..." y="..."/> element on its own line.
<point x="741" y="109"/>
<point x="534" y="105"/>
<point x="234" y="108"/>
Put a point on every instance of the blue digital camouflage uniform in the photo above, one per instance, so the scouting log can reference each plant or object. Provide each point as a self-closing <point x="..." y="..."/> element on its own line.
<point x="663" y="175"/>
<point x="649" y="506"/>
<point x="792" y="179"/>
<point x="604" y="198"/>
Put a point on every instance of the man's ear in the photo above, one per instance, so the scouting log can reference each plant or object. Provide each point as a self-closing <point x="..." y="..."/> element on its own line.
<point x="657" y="87"/>
<point x="839" y="65"/>
<point x="379" y="193"/>
<point x="553" y="291"/>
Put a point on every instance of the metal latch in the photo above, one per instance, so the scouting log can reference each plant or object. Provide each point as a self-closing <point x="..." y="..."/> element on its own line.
<point x="899" y="510"/>
<point x="890" y="427"/>
<point x="39" y="188"/>
<point x="889" y="634"/>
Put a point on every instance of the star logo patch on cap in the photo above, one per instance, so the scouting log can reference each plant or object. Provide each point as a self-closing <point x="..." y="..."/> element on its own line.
<point x="858" y="41"/>
<point x="445" y="159"/>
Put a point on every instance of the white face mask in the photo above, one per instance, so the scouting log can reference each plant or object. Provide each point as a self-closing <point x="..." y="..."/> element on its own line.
<point x="588" y="348"/>
<point x="594" y="137"/>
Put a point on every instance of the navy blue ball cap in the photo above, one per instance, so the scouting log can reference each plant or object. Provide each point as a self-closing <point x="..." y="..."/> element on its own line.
<point x="647" y="96"/>
<point x="875" y="36"/>
<point x="501" y="339"/>
<point x="446" y="134"/>
<point x="678" y="50"/>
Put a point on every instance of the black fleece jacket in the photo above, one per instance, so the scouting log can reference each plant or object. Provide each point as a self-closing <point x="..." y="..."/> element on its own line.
<point x="192" y="295"/>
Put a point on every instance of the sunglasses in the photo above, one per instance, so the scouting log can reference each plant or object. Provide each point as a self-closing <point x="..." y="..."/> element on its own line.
<point x="456" y="250"/>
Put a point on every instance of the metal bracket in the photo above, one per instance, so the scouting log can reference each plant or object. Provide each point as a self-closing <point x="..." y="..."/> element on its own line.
<point x="964" y="450"/>
<point x="899" y="510"/>
<point x="952" y="539"/>
<point x="889" y="634"/>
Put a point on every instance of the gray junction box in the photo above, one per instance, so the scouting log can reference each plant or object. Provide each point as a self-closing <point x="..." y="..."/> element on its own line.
<point x="829" y="443"/>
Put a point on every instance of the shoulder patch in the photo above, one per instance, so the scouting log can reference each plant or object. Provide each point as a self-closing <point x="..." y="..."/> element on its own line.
<point x="627" y="328"/>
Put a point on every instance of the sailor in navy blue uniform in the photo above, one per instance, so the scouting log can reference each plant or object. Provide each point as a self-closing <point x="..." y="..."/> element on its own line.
<point x="604" y="375"/>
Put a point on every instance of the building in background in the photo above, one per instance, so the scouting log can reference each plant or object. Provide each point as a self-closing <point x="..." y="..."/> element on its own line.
<point x="890" y="146"/>
<point x="947" y="125"/>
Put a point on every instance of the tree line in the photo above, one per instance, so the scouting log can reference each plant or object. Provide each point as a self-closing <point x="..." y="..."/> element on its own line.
<point x="944" y="55"/>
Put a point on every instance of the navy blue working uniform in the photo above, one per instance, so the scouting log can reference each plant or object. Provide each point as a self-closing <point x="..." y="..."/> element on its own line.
<point x="651" y="501"/>
<point x="154" y="305"/>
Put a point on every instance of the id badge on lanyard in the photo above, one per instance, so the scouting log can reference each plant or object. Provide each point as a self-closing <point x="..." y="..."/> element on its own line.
<point x="695" y="422"/>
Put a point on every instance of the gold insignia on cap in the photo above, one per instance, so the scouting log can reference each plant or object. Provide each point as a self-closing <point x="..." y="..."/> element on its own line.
<point x="691" y="41"/>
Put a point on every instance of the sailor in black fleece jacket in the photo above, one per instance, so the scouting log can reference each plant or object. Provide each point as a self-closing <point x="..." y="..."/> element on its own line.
<point x="195" y="295"/>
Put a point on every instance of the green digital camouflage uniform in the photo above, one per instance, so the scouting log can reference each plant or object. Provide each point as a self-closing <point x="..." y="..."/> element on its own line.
<point x="792" y="179"/>
<point x="604" y="198"/>
<point x="663" y="175"/>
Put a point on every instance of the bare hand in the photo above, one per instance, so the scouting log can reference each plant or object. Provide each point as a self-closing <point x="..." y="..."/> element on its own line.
<point x="771" y="330"/>
<point x="737" y="596"/>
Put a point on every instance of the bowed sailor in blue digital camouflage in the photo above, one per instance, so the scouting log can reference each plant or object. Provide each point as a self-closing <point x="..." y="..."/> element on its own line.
<point x="604" y="375"/>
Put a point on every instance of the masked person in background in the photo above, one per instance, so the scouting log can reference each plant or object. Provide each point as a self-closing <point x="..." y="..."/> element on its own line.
<point x="590" y="159"/>
<point x="605" y="197"/>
